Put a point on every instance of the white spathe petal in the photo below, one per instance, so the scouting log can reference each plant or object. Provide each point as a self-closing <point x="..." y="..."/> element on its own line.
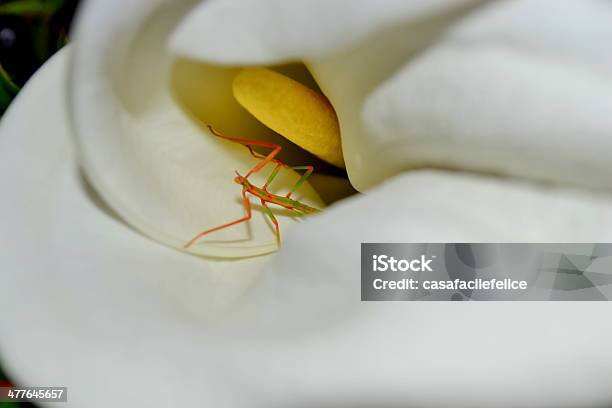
<point x="156" y="166"/>
<point x="423" y="206"/>
<point x="79" y="288"/>
<point x="516" y="89"/>
<point x="576" y="30"/>
<point x="348" y="77"/>
<point x="270" y="31"/>
<point x="511" y="350"/>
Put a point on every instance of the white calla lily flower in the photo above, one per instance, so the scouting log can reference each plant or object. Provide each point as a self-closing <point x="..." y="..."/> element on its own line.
<point x="124" y="321"/>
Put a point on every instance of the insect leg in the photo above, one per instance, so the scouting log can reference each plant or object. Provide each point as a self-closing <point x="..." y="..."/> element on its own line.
<point x="247" y="207"/>
<point x="276" y="148"/>
<point x="273" y="219"/>
<point x="309" y="170"/>
<point x="271" y="176"/>
<point x="303" y="178"/>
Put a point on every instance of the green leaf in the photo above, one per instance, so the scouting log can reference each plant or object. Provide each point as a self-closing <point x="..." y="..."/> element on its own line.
<point x="62" y="39"/>
<point x="40" y="39"/>
<point x="8" y="90"/>
<point x="31" y="7"/>
<point x="6" y="81"/>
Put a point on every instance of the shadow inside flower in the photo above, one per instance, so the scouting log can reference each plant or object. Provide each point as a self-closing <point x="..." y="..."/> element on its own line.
<point x="95" y="198"/>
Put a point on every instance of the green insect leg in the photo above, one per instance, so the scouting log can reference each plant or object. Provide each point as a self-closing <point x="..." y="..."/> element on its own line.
<point x="309" y="170"/>
<point x="273" y="219"/>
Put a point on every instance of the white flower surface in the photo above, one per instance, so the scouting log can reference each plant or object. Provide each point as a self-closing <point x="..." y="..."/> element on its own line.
<point x="88" y="302"/>
<point x="537" y="75"/>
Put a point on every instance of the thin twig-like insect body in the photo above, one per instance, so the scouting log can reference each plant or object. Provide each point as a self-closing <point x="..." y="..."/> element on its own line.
<point x="262" y="193"/>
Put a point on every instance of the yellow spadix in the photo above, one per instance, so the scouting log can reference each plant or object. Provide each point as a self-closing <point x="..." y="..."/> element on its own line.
<point x="291" y="109"/>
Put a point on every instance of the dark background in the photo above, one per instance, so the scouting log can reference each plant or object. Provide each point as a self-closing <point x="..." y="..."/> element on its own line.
<point x="30" y="32"/>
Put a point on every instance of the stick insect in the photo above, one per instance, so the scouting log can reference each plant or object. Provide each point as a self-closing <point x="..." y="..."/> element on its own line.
<point x="262" y="193"/>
